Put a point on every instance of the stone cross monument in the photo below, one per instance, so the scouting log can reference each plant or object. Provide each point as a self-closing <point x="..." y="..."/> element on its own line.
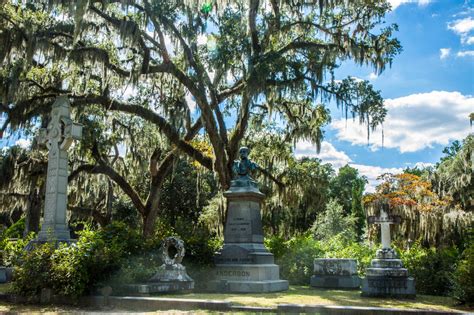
<point x="58" y="137"/>
<point x="386" y="276"/>
<point x="384" y="221"/>
<point x="244" y="264"/>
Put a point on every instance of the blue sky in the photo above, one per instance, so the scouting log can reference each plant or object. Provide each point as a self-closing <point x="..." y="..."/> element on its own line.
<point x="428" y="92"/>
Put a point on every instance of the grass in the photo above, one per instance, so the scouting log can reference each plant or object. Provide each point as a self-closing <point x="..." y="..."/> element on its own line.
<point x="295" y="295"/>
<point x="308" y="295"/>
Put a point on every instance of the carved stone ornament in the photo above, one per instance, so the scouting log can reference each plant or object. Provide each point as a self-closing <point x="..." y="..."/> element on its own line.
<point x="180" y="251"/>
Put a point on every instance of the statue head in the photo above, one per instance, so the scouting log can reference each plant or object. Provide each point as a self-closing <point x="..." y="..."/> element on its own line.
<point x="244" y="153"/>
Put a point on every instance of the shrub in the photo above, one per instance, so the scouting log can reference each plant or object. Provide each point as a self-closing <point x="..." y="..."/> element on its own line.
<point x="433" y="269"/>
<point x="464" y="276"/>
<point x="295" y="257"/>
<point x="73" y="270"/>
<point x="33" y="273"/>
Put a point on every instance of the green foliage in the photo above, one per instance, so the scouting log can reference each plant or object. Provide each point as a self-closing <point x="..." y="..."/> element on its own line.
<point x="295" y="257"/>
<point x="76" y="269"/>
<point x="432" y="268"/>
<point x="464" y="276"/>
<point x="334" y="222"/>
<point x="15" y="230"/>
<point x="33" y="271"/>
<point x="341" y="247"/>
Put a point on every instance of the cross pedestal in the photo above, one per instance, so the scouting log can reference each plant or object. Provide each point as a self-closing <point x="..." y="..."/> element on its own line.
<point x="58" y="137"/>
<point x="386" y="276"/>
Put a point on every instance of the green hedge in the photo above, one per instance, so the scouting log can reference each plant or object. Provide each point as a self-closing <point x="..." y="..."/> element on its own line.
<point x="443" y="271"/>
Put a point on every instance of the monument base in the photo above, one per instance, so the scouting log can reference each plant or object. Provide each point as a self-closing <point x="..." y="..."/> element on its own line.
<point x="335" y="282"/>
<point x="247" y="278"/>
<point x="387" y="278"/>
<point x="385" y="286"/>
<point x="159" y="287"/>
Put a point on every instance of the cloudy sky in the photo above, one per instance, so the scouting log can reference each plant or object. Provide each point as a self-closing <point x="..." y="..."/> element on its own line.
<point x="428" y="92"/>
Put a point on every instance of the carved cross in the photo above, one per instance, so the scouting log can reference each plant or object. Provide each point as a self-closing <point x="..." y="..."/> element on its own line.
<point x="58" y="137"/>
<point x="384" y="220"/>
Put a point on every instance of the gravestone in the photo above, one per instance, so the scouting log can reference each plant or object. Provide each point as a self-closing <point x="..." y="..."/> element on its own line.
<point x="386" y="276"/>
<point x="335" y="273"/>
<point x="58" y="137"/>
<point x="244" y="264"/>
<point x="171" y="275"/>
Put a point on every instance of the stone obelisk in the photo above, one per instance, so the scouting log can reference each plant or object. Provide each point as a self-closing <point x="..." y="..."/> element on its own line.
<point x="244" y="264"/>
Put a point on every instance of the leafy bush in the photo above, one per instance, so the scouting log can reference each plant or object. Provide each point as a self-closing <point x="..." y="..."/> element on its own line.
<point x="464" y="276"/>
<point x="73" y="270"/>
<point x="433" y="269"/>
<point x="295" y="257"/>
<point x="33" y="273"/>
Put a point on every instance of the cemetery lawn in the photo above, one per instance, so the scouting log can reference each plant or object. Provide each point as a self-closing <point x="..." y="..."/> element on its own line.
<point x="308" y="295"/>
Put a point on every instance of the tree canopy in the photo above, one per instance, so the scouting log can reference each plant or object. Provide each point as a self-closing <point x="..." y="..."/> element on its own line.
<point x="235" y="61"/>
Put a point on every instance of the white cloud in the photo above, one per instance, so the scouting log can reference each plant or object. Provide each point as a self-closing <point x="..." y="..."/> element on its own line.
<point x="444" y="53"/>
<point x="469" y="40"/>
<point x="23" y="143"/>
<point x="462" y="26"/>
<point x="465" y="53"/>
<point x="415" y="122"/>
<point x="372" y="172"/>
<point x="372" y="76"/>
<point x="328" y="153"/>
<point x="338" y="159"/>
<point x="396" y="3"/>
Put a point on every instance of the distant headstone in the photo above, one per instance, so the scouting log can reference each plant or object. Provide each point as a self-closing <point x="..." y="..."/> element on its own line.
<point x="336" y="273"/>
<point x="244" y="264"/>
<point x="386" y="276"/>
<point x="58" y="137"/>
<point x="171" y="276"/>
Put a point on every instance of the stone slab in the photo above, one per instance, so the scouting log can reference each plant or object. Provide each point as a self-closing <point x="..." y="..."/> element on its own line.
<point x="248" y="286"/>
<point x="335" y="282"/>
<point x="335" y="266"/>
<point x="383" y="286"/>
<point x="159" y="287"/>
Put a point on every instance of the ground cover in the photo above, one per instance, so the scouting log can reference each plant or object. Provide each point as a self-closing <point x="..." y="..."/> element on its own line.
<point x="308" y="295"/>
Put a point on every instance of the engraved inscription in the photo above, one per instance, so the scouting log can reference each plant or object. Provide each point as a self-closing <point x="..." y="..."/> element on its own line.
<point x="233" y="273"/>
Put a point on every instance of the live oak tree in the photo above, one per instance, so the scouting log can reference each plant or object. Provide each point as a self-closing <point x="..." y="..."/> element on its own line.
<point x="159" y="60"/>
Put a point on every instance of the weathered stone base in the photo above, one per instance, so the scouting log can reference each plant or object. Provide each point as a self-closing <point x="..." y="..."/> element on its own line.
<point x="385" y="286"/>
<point x="248" y="286"/>
<point x="159" y="287"/>
<point x="247" y="278"/>
<point x="335" y="282"/>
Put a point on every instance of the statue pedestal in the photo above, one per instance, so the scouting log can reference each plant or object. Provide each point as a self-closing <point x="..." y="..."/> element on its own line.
<point x="244" y="264"/>
<point x="386" y="277"/>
